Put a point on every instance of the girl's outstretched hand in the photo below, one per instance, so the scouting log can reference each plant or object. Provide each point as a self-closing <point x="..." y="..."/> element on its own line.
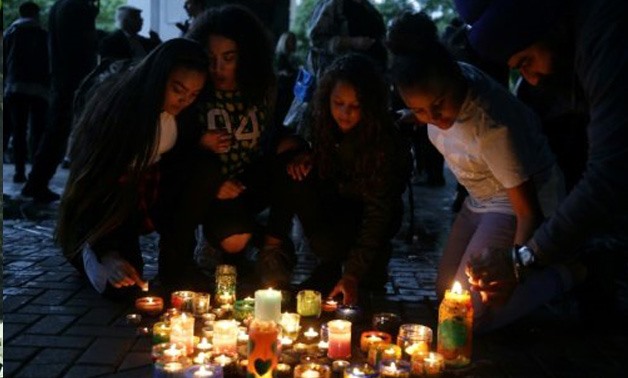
<point x="230" y="189"/>
<point x="348" y="287"/>
<point x="300" y="166"/>
<point x="120" y="273"/>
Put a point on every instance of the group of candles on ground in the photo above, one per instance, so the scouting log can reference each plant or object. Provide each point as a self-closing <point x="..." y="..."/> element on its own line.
<point x="251" y="337"/>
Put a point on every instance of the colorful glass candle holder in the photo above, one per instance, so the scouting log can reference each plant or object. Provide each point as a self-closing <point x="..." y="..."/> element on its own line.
<point x="394" y="369"/>
<point x="290" y="325"/>
<point x="183" y="300"/>
<point x="170" y="369"/>
<point x="182" y="330"/>
<point x="204" y="371"/>
<point x="455" y="327"/>
<point x="339" y="339"/>
<point x="414" y="338"/>
<point x="161" y="333"/>
<point x="262" y="348"/>
<point x="369" y="338"/>
<point x="383" y="351"/>
<point x="151" y="306"/>
<point x="309" y="303"/>
<point x="244" y="309"/>
<point x="225" y="337"/>
<point x="430" y="364"/>
<point x="201" y="303"/>
<point x="312" y="370"/>
<point x="360" y="370"/>
<point x="226" y="277"/>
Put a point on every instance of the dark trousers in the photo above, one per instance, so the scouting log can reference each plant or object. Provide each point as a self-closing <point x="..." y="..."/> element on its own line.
<point x="20" y="109"/>
<point x="55" y="139"/>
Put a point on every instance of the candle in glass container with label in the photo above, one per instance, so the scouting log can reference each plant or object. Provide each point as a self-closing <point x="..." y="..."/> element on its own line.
<point x="455" y="326"/>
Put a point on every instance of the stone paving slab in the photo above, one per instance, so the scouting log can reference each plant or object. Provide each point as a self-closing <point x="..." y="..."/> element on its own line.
<point x="57" y="326"/>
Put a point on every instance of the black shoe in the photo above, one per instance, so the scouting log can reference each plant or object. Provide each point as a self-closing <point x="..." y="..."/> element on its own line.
<point x="275" y="264"/>
<point x="19" y="177"/>
<point x="42" y="195"/>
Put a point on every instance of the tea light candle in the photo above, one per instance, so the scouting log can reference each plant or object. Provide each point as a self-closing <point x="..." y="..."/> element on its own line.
<point x="150" y="306"/>
<point x="285" y="341"/>
<point x="339" y="339"/>
<point x="414" y="338"/>
<point x="290" y="324"/>
<point x="225" y="337"/>
<point x="360" y="370"/>
<point x="299" y="347"/>
<point x="283" y="370"/>
<point x="182" y="330"/>
<point x="311" y="370"/>
<point x="369" y="338"/>
<point x="169" y="369"/>
<point x="349" y="312"/>
<point x="134" y="319"/>
<point x="310" y="334"/>
<point x="174" y="352"/>
<point x="268" y="305"/>
<point x="202" y="358"/>
<point x="204" y="371"/>
<point x="323" y="346"/>
<point x="161" y="333"/>
<point x="394" y="369"/>
<point x="330" y="305"/>
<point x="339" y="366"/>
<point x="183" y="300"/>
<point x="243" y="337"/>
<point x="309" y="303"/>
<point x="433" y="364"/>
<point x="383" y="351"/>
<point x="204" y="345"/>
<point x="455" y="326"/>
<point x="201" y="303"/>
<point x="223" y="360"/>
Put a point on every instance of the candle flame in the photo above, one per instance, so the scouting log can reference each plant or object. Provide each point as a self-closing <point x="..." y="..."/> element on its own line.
<point x="457" y="288"/>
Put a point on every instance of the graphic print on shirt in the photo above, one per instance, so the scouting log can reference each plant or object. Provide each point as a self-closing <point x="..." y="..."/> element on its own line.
<point x="227" y="112"/>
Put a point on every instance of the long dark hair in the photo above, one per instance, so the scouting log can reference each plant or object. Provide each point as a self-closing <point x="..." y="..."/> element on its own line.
<point x="116" y="137"/>
<point x="361" y="73"/>
<point x="419" y="59"/>
<point x="254" y="73"/>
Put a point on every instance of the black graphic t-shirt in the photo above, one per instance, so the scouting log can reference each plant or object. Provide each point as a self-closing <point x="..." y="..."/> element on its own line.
<point x="226" y="110"/>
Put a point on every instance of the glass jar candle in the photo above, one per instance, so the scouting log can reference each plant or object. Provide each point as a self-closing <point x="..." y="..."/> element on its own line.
<point x="226" y="276"/>
<point x="394" y="369"/>
<point x="290" y="325"/>
<point x="201" y="303"/>
<point x="339" y="339"/>
<point x="182" y="330"/>
<point x="360" y="370"/>
<point x="414" y="338"/>
<point x="244" y="309"/>
<point x="309" y="303"/>
<point x="183" y="300"/>
<point x="383" y="351"/>
<point x="312" y="370"/>
<point x="369" y="338"/>
<point x="455" y="326"/>
<point x="225" y="337"/>
<point x="161" y="333"/>
<point x="262" y="348"/>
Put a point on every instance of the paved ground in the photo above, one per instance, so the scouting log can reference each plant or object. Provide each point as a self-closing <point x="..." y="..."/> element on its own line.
<point x="57" y="326"/>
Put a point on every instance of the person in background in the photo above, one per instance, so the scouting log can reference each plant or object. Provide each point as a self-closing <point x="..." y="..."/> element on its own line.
<point x="73" y="53"/>
<point x="193" y="8"/>
<point x="26" y="85"/>
<point x="122" y="181"/>
<point x="126" y="43"/>
<point x="346" y="189"/>
<point x="495" y="147"/>
<point x="568" y="47"/>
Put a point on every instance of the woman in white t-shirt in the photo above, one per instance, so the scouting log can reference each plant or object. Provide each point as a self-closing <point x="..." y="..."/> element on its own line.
<point x="117" y="171"/>
<point x="495" y="147"/>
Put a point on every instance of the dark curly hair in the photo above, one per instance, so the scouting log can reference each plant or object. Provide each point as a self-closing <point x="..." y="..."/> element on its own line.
<point x="362" y="74"/>
<point x="254" y="73"/>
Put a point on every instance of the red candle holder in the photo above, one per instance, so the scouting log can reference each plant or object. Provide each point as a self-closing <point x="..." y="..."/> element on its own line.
<point x="150" y="306"/>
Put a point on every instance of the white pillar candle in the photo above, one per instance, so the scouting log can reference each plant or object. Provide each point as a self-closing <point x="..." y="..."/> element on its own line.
<point x="268" y="305"/>
<point x="182" y="330"/>
<point x="225" y="338"/>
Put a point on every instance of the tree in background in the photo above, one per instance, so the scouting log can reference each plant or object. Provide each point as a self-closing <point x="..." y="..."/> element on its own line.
<point x="105" y="20"/>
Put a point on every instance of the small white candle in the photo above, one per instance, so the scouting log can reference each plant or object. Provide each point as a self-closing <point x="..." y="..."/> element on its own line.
<point x="223" y="360"/>
<point x="310" y="333"/>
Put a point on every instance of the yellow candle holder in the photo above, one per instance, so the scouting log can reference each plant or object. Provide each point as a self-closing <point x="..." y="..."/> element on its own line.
<point x="369" y="338"/>
<point x="383" y="351"/>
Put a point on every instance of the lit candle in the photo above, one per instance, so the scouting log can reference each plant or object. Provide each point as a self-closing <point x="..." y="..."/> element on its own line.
<point x="369" y="338"/>
<point x="383" y="351"/>
<point x="339" y="339"/>
<point x="290" y="324"/>
<point x="268" y="305"/>
<point x="202" y="358"/>
<point x="360" y="370"/>
<point x="243" y="337"/>
<point x="394" y="369"/>
<point x="201" y="303"/>
<point x="225" y="284"/>
<point x="286" y="342"/>
<point x="310" y="334"/>
<point x="173" y="352"/>
<point x="244" y="309"/>
<point x="161" y="333"/>
<point x="455" y="326"/>
<point x="433" y="365"/>
<point x="283" y="370"/>
<point x="299" y="347"/>
<point x="204" y="345"/>
<point x="204" y="371"/>
<point x="309" y="303"/>
<point x="339" y="366"/>
<point x="183" y="300"/>
<point x="311" y="370"/>
<point x="263" y="348"/>
<point x="223" y="360"/>
<point x="323" y="346"/>
<point x="330" y="305"/>
<point x="150" y="306"/>
<point x="182" y="330"/>
<point x="225" y="337"/>
<point x="414" y="338"/>
<point x="170" y="369"/>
